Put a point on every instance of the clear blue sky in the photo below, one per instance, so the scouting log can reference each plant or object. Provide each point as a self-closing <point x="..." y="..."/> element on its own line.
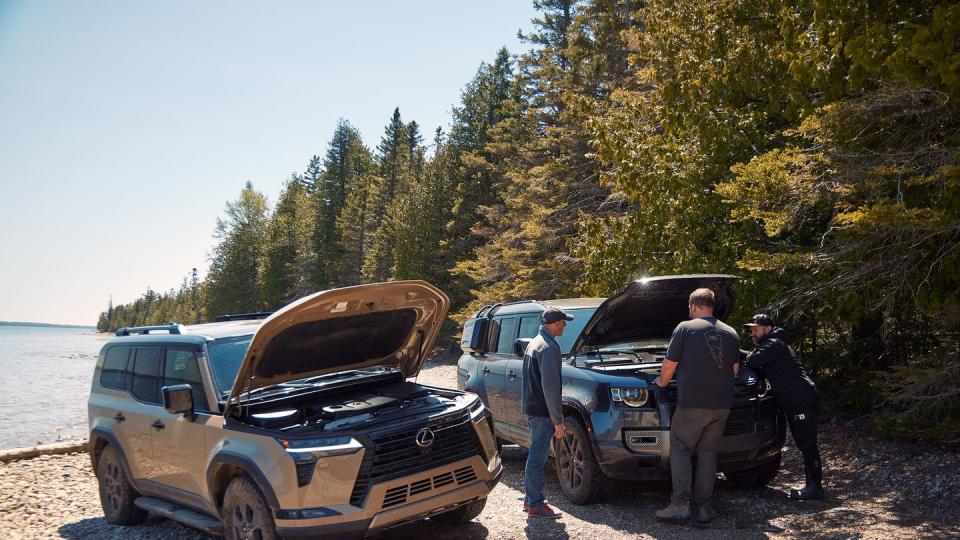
<point x="125" y="126"/>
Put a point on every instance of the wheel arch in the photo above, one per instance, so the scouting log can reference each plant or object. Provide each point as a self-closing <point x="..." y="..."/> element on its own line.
<point x="101" y="438"/>
<point x="576" y="409"/>
<point x="225" y="466"/>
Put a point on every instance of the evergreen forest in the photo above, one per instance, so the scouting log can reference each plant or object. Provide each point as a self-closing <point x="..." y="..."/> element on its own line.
<point x="810" y="147"/>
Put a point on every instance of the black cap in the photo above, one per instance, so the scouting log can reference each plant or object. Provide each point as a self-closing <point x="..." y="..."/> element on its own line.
<point x="761" y="319"/>
<point x="552" y="315"/>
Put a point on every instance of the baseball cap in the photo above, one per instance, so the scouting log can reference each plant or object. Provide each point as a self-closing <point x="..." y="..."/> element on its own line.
<point x="552" y="315"/>
<point x="761" y="319"/>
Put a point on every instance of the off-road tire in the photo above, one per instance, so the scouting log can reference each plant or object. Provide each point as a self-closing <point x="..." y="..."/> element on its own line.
<point x="755" y="477"/>
<point x="246" y="513"/>
<point x="580" y="476"/>
<point x="116" y="493"/>
<point x="460" y="514"/>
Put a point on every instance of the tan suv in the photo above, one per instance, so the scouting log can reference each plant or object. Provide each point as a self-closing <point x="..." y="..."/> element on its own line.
<point x="305" y="423"/>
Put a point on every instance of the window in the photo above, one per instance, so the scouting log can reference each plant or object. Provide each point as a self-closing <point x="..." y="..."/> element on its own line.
<point x="508" y="329"/>
<point x="529" y="327"/>
<point x="114" y="367"/>
<point x="145" y="385"/>
<point x="181" y="367"/>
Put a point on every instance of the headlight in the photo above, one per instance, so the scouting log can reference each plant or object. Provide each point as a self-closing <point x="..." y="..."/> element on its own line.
<point x="631" y="397"/>
<point x="321" y="447"/>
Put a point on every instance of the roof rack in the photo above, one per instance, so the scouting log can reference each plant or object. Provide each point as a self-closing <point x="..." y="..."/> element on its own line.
<point x="172" y="328"/>
<point x="243" y="316"/>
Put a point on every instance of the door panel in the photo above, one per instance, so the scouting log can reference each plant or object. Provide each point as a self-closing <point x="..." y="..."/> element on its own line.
<point x="494" y="369"/>
<point x="138" y="411"/>
<point x="178" y="447"/>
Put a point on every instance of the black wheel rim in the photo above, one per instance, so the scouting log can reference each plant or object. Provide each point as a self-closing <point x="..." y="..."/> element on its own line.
<point x="246" y="522"/>
<point x="570" y="462"/>
<point x="113" y="486"/>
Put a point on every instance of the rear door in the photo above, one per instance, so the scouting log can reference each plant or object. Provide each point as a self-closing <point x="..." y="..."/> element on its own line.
<point x="528" y="328"/>
<point x="494" y="370"/>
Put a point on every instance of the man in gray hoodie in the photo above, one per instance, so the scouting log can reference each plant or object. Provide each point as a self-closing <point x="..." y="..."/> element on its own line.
<point x="540" y="401"/>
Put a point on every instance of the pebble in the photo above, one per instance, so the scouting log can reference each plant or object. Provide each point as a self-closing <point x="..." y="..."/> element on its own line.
<point x="914" y="493"/>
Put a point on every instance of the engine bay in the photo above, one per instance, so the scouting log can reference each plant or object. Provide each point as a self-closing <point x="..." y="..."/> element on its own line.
<point x="370" y="405"/>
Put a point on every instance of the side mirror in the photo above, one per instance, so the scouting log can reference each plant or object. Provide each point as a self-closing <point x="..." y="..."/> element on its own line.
<point x="520" y="346"/>
<point x="178" y="399"/>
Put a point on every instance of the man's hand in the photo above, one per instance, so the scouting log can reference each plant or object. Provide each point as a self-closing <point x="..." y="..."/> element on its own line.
<point x="559" y="431"/>
<point x="660" y="383"/>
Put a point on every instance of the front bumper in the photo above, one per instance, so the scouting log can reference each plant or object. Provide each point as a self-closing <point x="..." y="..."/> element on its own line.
<point x="402" y="500"/>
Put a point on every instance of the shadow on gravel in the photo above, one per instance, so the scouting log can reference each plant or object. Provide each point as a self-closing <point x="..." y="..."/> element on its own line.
<point x="153" y="528"/>
<point x="629" y="507"/>
<point x="421" y="530"/>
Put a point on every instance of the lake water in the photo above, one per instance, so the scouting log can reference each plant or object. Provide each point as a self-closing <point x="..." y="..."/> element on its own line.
<point x="45" y="376"/>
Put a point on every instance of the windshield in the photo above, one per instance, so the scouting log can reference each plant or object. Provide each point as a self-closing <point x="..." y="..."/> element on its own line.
<point x="226" y="355"/>
<point x="574" y="327"/>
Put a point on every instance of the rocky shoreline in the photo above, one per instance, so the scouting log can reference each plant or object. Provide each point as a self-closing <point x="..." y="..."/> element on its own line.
<point x="876" y="489"/>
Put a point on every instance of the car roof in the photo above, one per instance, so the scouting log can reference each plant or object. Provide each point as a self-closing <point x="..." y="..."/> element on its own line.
<point x="533" y="306"/>
<point x="196" y="334"/>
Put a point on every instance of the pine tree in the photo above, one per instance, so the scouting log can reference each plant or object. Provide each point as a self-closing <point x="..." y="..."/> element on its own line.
<point x="394" y="166"/>
<point x="236" y="263"/>
<point x="289" y="258"/>
<point x="346" y="159"/>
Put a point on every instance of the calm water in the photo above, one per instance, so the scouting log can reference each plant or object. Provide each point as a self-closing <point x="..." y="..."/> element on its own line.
<point x="45" y="376"/>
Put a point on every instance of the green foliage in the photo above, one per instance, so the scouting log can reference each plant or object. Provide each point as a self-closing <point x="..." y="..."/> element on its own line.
<point x="809" y="146"/>
<point x="290" y="260"/>
<point x="184" y="306"/>
<point x="236" y="265"/>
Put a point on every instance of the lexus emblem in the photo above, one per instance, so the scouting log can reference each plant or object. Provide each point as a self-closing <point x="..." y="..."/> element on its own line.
<point x="424" y="438"/>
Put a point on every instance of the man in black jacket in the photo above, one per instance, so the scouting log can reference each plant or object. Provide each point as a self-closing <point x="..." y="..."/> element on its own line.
<point x="795" y="393"/>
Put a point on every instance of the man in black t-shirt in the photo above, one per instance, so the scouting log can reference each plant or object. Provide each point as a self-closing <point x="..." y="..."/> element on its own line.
<point x="795" y="393"/>
<point x="705" y="356"/>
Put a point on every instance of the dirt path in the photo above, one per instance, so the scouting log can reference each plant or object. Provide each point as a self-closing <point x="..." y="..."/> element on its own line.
<point x="876" y="489"/>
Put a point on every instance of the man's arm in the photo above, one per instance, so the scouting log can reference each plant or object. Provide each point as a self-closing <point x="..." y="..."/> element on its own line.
<point x="666" y="373"/>
<point x="763" y="354"/>
<point x="550" y="366"/>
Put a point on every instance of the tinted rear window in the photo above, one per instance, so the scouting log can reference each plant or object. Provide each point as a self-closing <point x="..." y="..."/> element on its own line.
<point x="114" y="366"/>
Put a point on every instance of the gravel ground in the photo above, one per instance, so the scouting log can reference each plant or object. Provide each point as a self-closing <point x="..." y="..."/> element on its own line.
<point x="876" y="489"/>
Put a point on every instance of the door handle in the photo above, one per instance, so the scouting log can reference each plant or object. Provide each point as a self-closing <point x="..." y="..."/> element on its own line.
<point x="119" y="417"/>
<point x="512" y="374"/>
<point x="486" y="370"/>
<point x="157" y="424"/>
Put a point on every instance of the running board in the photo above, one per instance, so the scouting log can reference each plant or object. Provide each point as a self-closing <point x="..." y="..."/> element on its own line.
<point x="180" y="514"/>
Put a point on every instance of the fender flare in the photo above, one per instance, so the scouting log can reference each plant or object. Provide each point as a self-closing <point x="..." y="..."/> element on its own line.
<point x="584" y="415"/>
<point x="247" y="465"/>
<point x="102" y="433"/>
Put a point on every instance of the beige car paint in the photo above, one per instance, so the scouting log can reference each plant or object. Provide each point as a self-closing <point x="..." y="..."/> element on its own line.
<point x="182" y="454"/>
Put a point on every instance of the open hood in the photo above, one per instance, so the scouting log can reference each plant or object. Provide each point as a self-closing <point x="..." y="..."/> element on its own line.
<point x="383" y="324"/>
<point x="651" y="308"/>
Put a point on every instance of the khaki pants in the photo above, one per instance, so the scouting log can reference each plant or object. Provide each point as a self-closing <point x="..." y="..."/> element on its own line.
<point x="695" y="432"/>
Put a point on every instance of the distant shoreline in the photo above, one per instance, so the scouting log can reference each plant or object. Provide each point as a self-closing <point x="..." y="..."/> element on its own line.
<point x="44" y="325"/>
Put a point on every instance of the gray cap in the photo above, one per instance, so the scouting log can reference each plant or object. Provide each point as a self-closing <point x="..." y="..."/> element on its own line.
<point x="552" y="315"/>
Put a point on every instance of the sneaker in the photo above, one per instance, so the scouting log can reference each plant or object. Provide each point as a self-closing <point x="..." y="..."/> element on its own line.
<point x="542" y="511"/>
<point x="807" y="493"/>
<point x="705" y="513"/>
<point x="675" y="512"/>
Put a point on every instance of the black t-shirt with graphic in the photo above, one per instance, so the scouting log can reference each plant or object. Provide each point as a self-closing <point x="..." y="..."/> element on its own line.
<point x="706" y="350"/>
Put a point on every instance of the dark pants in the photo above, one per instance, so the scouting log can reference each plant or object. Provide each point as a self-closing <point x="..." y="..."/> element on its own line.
<point x="803" y="422"/>
<point x="695" y="432"/>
